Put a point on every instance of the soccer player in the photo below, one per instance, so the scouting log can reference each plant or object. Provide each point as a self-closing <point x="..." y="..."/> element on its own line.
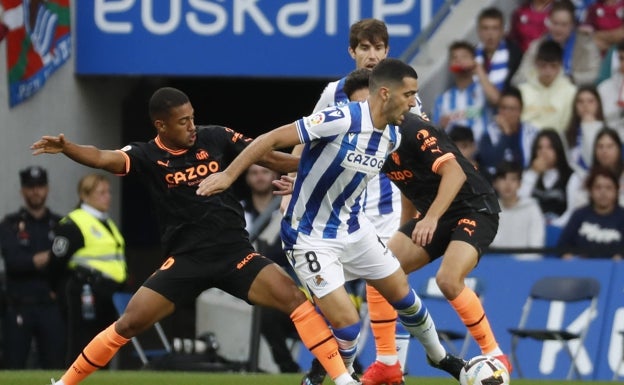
<point x="381" y="205"/>
<point x="204" y="237"/>
<point x="326" y="238"/>
<point x="369" y="44"/>
<point x="450" y="210"/>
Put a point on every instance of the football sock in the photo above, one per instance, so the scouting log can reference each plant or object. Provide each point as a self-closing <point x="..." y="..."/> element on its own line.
<point x="470" y="310"/>
<point x="383" y="320"/>
<point x="95" y="355"/>
<point x="317" y="337"/>
<point x="347" y="339"/>
<point x="402" y="344"/>
<point x="416" y="319"/>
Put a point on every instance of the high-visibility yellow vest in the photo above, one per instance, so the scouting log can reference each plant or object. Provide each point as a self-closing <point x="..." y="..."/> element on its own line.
<point x="103" y="248"/>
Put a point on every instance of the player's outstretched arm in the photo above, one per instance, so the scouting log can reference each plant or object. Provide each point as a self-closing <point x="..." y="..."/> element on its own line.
<point x="280" y="161"/>
<point x="112" y="161"/>
<point x="284" y="136"/>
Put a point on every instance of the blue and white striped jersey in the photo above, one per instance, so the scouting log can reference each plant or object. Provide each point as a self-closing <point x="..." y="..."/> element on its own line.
<point x="342" y="152"/>
<point x="467" y="107"/>
<point x="382" y="199"/>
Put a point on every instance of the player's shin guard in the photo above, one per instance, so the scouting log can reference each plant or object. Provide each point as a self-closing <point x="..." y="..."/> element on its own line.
<point x="414" y="316"/>
<point x="347" y="339"/>
<point x="317" y="337"/>
<point x="95" y="355"/>
<point x="470" y="310"/>
<point x="383" y="323"/>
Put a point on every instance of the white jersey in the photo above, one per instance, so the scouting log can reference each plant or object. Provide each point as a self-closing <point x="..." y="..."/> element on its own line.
<point x="382" y="199"/>
<point x="343" y="152"/>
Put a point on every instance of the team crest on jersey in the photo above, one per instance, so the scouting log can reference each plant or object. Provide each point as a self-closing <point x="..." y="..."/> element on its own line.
<point x="396" y="158"/>
<point x="201" y="154"/>
<point x="319" y="281"/>
<point x="422" y="134"/>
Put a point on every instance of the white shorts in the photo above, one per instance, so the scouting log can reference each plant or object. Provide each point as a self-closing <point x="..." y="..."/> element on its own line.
<point x="324" y="265"/>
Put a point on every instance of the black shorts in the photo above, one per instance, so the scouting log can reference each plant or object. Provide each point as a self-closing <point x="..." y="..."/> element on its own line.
<point x="477" y="229"/>
<point x="182" y="278"/>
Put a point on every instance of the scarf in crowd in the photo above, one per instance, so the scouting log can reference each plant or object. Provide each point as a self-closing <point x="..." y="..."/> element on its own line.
<point x="498" y="66"/>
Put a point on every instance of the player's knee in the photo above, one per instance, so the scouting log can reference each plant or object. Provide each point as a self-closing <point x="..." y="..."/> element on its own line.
<point x="449" y="285"/>
<point x="129" y="326"/>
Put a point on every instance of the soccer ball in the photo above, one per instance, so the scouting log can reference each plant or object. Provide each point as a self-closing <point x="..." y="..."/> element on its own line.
<point x="484" y="370"/>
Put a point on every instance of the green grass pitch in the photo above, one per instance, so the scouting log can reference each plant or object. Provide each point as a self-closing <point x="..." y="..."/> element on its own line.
<point x="145" y="377"/>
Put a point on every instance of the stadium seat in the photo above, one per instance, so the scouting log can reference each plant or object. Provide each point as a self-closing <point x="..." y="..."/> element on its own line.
<point x="546" y="291"/>
<point x="120" y="300"/>
<point x="450" y="335"/>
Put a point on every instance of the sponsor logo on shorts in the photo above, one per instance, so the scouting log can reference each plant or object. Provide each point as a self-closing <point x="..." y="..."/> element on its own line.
<point x="468" y="225"/>
<point x="246" y="260"/>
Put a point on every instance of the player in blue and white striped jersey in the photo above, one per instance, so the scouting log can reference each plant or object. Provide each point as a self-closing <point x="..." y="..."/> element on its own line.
<point x="327" y="239"/>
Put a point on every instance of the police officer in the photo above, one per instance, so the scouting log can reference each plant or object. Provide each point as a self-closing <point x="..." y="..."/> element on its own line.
<point x="33" y="310"/>
<point x="93" y="251"/>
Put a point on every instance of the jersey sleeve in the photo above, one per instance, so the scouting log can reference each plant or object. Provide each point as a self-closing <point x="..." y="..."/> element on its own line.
<point x="426" y="144"/>
<point x="67" y="239"/>
<point x="132" y="153"/>
<point x="327" y="98"/>
<point x="233" y="142"/>
<point x="326" y="123"/>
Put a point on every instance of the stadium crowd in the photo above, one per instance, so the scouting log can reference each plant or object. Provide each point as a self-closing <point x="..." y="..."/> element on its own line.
<point x="545" y="97"/>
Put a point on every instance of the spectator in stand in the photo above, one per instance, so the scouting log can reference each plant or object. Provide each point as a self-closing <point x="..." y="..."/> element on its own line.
<point x="500" y="57"/>
<point x="521" y="223"/>
<point x="580" y="8"/>
<point x="550" y="179"/>
<point x="596" y="230"/>
<point x="604" y="19"/>
<point x="275" y="326"/>
<point x="466" y="102"/>
<point x="548" y="94"/>
<point x="581" y="56"/>
<point x="528" y="22"/>
<point x="609" y="64"/>
<point x="587" y="119"/>
<point x="463" y="138"/>
<point x="507" y="138"/>
<point x="612" y="94"/>
<point x="606" y="153"/>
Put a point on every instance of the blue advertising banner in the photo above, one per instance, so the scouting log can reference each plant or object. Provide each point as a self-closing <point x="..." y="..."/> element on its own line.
<point x="265" y="38"/>
<point x="506" y="283"/>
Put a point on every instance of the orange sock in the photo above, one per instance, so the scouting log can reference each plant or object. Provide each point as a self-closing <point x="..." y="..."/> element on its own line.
<point x="383" y="322"/>
<point x="317" y="337"/>
<point x="95" y="355"/>
<point x="472" y="314"/>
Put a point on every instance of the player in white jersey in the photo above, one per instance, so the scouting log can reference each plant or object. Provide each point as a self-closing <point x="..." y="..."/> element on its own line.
<point x="327" y="239"/>
<point x="382" y="206"/>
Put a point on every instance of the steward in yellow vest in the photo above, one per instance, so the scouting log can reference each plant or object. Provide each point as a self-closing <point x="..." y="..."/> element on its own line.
<point x="91" y="249"/>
